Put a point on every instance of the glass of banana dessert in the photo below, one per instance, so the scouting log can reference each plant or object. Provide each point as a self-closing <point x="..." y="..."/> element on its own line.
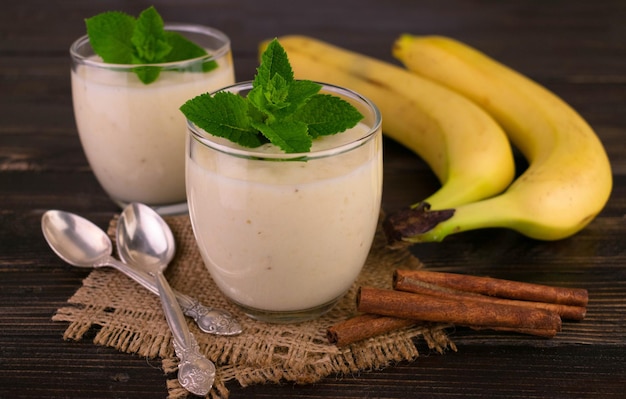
<point x="127" y="111"/>
<point x="285" y="235"/>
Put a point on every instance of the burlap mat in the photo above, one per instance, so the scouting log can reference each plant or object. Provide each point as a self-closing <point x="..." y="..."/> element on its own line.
<point x="130" y="319"/>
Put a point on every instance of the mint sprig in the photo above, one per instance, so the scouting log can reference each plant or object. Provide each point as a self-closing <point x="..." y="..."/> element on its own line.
<point x="287" y="112"/>
<point x="119" y="38"/>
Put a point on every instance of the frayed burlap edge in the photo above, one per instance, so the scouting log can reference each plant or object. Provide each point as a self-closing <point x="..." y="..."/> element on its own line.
<point x="129" y="319"/>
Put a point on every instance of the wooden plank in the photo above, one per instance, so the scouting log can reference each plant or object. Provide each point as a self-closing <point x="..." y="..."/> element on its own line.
<point x="575" y="48"/>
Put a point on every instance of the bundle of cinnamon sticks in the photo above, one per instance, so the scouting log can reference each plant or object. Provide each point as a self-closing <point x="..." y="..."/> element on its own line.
<point x="463" y="300"/>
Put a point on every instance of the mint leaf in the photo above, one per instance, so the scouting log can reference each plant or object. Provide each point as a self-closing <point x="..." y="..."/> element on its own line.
<point x="300" y="91"/>
<point x="272" y="82"/>
<point x="288" y="113"/>
<point x="147" y="74"/>
<point x="274" y="61"/>
<point x="148" y="39"/>
<point x="181" y="48"/>
<point x="290" y="136"/>
<point x="184" y="49"/>
<point x="271" y="97"/>
<point x="150" y="45"/>
<point x="326" y="115"/>
<point x="119" y="38"/>
<point x="228" y="117"/>
<point x="279" y="99"/>
<point x="109" y="35"/>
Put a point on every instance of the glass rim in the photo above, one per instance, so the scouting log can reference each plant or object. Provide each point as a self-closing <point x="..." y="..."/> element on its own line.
<point x="174" y="26"/>
<point x="209" y="140"/>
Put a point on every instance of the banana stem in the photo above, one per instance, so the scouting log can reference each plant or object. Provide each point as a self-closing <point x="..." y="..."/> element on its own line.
<point x="420" y="224"/>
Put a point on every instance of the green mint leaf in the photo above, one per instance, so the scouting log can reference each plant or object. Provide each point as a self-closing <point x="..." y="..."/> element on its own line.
<point x="300" y="91"/>
<point x="223" y="115"/>
<point x="147" y="74"/>
<point x="290" y="136"/>
<point x="150" y="45"/>
<point x="182" y="48"/>
<point x="185" y="49"/>
<point x="279" y="99"/>
<point x="273" y="61"/>
<point x="148" y="38"/>
<point x="119" y="38"/>
<point x="326" y="114"/>
<point x="209" y="66"/>
<point x="270" y="98"/>
<point x="109" y="35"/>
<point x="289" y="113"/>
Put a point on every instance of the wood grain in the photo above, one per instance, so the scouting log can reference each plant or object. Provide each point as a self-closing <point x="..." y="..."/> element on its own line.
<point x="575" y="48"/>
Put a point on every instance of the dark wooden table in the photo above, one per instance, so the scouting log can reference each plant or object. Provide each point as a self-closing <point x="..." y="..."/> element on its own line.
<point x="575" y="48"/>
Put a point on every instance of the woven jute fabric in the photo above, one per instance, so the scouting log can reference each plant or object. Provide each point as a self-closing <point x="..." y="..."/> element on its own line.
<point x="127" y="317"/>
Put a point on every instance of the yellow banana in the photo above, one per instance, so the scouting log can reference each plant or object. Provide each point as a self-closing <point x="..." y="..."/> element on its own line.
<point x="569" y="178"/>
<point x="466" y="149"/>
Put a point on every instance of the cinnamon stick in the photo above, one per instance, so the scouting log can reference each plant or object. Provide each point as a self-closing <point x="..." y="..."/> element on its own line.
<point x="460" y="312"/>
<point x="501" y="288"/>
<point x="540" y="332"/>
<point x="364" y="326"/>
<point x="409" y="284"/>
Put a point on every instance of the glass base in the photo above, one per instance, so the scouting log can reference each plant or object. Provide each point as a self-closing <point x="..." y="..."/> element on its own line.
<point x="287" y="316"/>
<point x="163" y="210"/>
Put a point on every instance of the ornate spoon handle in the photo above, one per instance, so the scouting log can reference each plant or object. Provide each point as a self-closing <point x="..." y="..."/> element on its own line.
<point x="210" y="320"/>
<point x="196" y="373"/>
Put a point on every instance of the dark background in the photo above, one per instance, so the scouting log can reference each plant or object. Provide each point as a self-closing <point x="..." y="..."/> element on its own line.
<point x="575" y="48"/>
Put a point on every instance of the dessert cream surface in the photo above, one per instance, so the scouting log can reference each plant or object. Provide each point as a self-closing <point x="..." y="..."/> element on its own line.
<point x="288" y="235"/>
<point x="133" y="134"/>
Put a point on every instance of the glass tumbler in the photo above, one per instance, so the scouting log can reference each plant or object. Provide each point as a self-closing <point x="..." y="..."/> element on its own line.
<point x="133" y="134"/>
<point x="284" y="236"/>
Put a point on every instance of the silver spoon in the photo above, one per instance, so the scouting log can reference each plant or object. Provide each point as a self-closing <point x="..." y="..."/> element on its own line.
<point x="81" y="243"/>
<point x="136" y="251"/>
<point x="143" y="238"/>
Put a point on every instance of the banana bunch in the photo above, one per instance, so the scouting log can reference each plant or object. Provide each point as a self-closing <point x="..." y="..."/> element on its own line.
<point x="463" y="145"/>
<point x="444" y="107"/>
<point x="569" y="178"/>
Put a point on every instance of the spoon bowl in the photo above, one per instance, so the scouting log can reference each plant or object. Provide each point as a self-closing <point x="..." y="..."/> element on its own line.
<point x="81" y="243"/>
<point x="74" y="239"/>
<point x="144" y="239"/>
